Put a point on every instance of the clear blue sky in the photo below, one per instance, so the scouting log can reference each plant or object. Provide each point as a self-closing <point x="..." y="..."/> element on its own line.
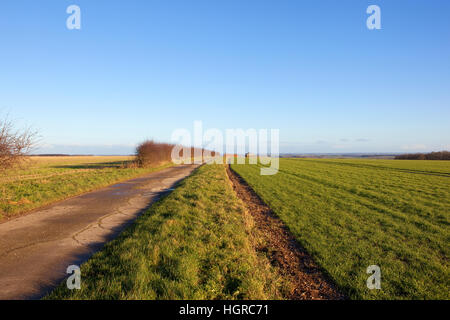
<point x="140" y="69"/>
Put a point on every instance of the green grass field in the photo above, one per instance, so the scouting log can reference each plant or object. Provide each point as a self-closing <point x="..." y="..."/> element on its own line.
<point x="195" y="243"/>
<point x="353" y="213"/>
<point x="43" y="180"/>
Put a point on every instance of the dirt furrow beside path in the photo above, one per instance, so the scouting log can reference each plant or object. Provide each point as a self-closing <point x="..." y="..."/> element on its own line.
<point x="36" y="249"/>
<point x="299" y="269"/>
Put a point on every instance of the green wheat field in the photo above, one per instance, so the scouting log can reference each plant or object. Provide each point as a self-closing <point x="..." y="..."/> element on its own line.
<point x="352" y="213"/>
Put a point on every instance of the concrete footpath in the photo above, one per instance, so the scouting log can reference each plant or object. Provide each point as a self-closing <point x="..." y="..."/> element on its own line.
<point x="36" y="249"/>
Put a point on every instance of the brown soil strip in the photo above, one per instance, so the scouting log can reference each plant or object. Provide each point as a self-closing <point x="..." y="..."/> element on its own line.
<point x="306" y="279"/>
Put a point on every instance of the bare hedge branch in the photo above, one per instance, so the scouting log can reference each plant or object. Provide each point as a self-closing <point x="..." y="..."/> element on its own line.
<point x="151" y="153"/>
<point x="14" y="144"/>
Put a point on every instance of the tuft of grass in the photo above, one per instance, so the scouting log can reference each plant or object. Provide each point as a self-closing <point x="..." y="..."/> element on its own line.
<point x="48" y="179"/>
<point x="350" y="214"/>
<point x="195" y="243"/>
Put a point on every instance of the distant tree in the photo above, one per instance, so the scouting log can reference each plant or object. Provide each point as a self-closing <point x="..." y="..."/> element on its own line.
<point x="441" y="155"/>
<point x="14" y="144"/>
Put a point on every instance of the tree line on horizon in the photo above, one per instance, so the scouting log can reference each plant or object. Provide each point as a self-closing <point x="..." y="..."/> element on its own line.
<point x="439" y="155"/>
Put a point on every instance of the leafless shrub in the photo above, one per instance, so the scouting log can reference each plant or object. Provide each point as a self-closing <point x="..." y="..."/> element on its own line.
<point x="151" y="153"/>
<point x="14" y="144"/>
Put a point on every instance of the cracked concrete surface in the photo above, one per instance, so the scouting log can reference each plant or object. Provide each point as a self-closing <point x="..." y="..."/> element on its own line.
<point x="36" y="249"/>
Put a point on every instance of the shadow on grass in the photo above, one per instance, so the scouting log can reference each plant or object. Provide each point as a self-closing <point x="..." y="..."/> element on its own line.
<point x="98" y="165"/>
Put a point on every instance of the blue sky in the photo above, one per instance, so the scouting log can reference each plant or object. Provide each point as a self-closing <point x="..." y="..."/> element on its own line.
<point x="141" y="69"/>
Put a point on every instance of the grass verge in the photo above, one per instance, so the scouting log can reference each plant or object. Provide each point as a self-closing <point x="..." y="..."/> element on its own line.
<point x="52" y="179"/>
<point x="195" y="243"/>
